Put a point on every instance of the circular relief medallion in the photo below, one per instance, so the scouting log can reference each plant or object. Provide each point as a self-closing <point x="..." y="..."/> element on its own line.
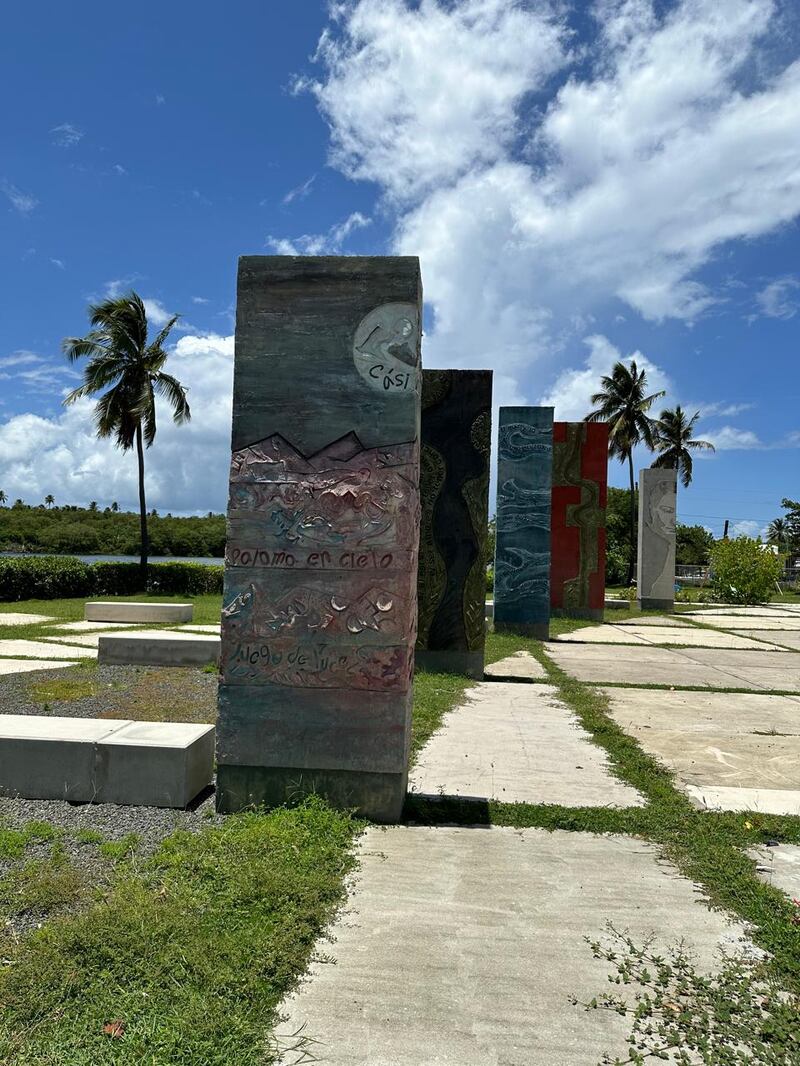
<point x="386" y="348"/>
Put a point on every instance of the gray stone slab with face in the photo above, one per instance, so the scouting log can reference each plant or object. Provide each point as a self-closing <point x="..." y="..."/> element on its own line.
<point x="319" y="617"/>
<point x="524" y="502"/>
<point x="655" y="561"/>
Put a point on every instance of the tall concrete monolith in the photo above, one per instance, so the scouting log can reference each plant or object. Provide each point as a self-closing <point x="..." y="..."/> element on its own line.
<point x="319" y="615"/>
<point x="578" y="539"/>
<point x="454" y="492"/>
<point x="655" y="564"/>
<point x="522" y="553"/>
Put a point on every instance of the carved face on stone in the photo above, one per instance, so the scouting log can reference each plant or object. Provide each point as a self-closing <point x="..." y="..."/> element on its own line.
<point x="662" y="510"/>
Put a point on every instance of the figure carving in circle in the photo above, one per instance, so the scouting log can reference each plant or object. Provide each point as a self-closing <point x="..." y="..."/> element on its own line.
<point x="386" y="348"/>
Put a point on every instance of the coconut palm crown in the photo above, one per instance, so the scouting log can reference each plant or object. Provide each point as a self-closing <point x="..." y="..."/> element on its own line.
<point x="623" y="402"/>
<point x="126" y="369"/>
<point x="675" y="444"/>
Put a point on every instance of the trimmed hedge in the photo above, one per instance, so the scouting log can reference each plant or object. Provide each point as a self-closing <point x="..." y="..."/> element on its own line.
<point x="50" y="577"/>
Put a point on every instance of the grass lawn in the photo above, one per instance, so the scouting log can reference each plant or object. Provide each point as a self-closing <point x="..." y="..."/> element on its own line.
<point x="185" y="959"/>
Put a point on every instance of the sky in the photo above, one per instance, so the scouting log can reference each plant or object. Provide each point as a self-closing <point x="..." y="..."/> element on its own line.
<point x="582" y="182"/>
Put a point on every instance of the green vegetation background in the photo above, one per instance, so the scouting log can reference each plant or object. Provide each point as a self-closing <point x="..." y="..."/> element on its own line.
<point x="92" y="531"/>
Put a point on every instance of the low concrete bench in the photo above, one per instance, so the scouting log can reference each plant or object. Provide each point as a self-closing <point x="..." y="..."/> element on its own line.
<point x="163" y="613"/>
<point x="86" y="760"/>
<point x="157" y="648"/>
<point x="617" y="605"/>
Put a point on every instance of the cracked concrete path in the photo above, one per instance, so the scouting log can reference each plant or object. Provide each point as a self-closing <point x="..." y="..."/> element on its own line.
<point x="520" y="744"/>
<point x="729" y="751"/>
<point x="461" y="947"/>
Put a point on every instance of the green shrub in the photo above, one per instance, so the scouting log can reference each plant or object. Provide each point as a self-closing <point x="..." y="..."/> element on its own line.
<point x="490" y="579"/>
<point x="185" y="579"/>
<point x="744" y="571"/>
<point x="46" y="577"/>
<point x="616" y="566"/>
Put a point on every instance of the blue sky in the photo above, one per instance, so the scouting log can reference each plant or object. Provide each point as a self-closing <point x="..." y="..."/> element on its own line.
<point x="581" y="183"/>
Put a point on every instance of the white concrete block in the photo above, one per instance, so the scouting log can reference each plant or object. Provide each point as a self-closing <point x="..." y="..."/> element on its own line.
<point x="158" y="648"/>
<point x="117" y="611"/>
<point x="160" y="764"/>
<point x="156" y="764"/>
<point x="43" y="757"/>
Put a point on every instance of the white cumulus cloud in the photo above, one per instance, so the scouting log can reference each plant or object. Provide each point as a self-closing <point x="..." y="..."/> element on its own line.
<point x="670" y="135"/>
<point x="186" y="469"/>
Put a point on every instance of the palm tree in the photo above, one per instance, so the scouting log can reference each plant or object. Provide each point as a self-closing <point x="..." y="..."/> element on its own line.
<point x="779" y="532"/>
<point x="3" y="498"/>
<point x="130" y="369"/>
<point x="675" y="443"/>
<point x="93" y="505"/>
<point x="114" y="506"/>
<point x="623" y="402"/>
<point x="49" y="500"/>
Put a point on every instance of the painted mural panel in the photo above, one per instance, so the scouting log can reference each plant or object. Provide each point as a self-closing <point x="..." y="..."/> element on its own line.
<point x="319" y="615"/>
<point x="578" y="542"/>
<point x="454" y="493"/>
<point x="524" y="488"/>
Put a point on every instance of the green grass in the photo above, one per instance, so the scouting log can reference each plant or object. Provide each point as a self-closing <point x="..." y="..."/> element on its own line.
<point x="192" y="955"/>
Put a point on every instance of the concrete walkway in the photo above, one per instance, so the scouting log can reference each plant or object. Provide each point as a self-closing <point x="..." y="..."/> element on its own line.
<point x="461" y="946"/>
<point x="729" y="751"/>
<point x="520" y="744"/>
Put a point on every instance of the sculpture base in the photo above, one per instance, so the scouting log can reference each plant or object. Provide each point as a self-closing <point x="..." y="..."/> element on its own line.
<point x="536" y="630"/>
<point x="589" y="614"/>
<point x="655" y="605"/>
<point x="379" y="797"/>
<point x="466" y="663"/>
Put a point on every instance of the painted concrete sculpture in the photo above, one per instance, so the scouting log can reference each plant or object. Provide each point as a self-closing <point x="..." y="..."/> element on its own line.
<point x="319" y="617"/>
<point x="578" y="541"/>
<point x="522" y="553"/>
<point x="454" y="493"/>
<point x="655" y="565"/>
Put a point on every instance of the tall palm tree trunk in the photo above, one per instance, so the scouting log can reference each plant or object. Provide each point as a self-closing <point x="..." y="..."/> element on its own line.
<point x="143" y="508"/>
<point x="632" y="550"/>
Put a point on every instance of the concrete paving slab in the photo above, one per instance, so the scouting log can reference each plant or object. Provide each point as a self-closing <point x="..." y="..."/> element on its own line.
<point x="681" y="636"/>
<point x="643" y="666"/>
<point x="731" y="610"/>
<point x="117" y="611"/>
<point x="766" y="670"/>
<point x="780" y="867"/>
<point x="460" y="947"/>
<point x="200" y="628"/>
<point x="518" y="744"/>
<point x="694" y="636"/>
<point x="25" y="666"/>
<point x="738" y="741"/>
<point x="659" y="620"/>
<point x="605" y="634"/>
<point x="786" y="638"/>
<point x="761" y="800"/>
<point x="39" y="649"/>
<point x="83" y="640"/>
<point x="15" y="618"/>
<point x="88" y="627"/>
<point x="749" y="622"/>
<point x="521" y="665"/>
